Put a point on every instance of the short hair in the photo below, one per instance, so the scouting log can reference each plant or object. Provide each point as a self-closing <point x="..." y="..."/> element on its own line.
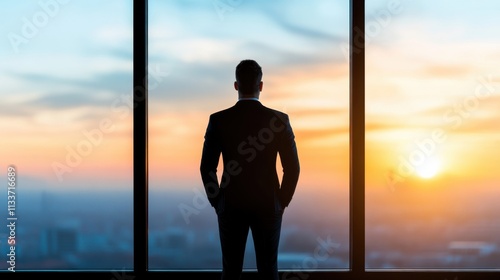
<point x="248" y="75"/>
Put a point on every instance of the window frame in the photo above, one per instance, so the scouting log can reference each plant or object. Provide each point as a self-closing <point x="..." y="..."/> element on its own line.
<point x="356" y="269"/>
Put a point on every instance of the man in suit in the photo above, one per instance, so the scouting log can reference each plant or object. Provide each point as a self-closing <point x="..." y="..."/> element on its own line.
<point x="249" y="195"/>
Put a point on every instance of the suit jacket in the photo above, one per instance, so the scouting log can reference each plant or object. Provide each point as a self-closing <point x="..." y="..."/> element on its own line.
<point x="249" y="136"/>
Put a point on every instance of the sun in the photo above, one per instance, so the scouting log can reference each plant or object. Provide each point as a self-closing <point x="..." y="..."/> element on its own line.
<point x="429" y="169"/>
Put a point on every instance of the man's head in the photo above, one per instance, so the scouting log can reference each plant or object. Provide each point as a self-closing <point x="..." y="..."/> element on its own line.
<point x="248" y="78"/>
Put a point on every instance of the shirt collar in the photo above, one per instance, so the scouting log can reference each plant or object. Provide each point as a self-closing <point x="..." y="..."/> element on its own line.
<point x="248" y="98"/>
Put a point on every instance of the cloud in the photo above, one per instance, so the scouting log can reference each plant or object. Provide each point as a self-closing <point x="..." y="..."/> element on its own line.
<point x="446" y="71"/>
<point x="55" y="93"/>
<point x="310" y="34"/>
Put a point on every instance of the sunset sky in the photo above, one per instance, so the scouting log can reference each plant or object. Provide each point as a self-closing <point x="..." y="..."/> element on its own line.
<point x="67" y="79"/>
<point x="305" y="75"/>
<point x="64" y="69"/>
<point x="433" y="69"/>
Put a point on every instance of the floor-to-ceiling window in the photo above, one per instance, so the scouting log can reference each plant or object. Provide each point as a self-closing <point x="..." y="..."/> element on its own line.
<point x="432" y="113"/>
<point x="194" y="47"/>
<point x="66" y="135"/>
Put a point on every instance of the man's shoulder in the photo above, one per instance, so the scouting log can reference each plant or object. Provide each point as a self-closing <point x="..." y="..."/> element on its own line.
<point x="277" y="113"/>
<point x="221" y="112"/>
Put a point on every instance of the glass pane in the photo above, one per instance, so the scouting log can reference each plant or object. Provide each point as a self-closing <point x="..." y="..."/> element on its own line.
<point x="194" y="47"/>
<point x="66" y="76"/>
<point x="432" y="136"/>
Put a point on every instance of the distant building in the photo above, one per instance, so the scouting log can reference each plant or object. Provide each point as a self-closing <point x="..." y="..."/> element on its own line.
<point x="472" y="248"/>
<point x="172" y="241"/>
<point x="59" y="241"/>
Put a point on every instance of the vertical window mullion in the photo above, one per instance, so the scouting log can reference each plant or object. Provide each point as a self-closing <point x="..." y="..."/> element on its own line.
<point x="357" y="137"/>
<point x="140" y="146"/>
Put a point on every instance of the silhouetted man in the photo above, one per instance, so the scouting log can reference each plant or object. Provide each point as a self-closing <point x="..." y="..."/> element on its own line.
<point x="249" y="194"/>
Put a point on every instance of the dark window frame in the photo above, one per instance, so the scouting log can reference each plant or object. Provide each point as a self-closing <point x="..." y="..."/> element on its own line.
<point x="356" y="271"/>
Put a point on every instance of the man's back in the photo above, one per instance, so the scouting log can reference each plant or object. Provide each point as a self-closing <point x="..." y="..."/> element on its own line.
<point x="250" y="136"/>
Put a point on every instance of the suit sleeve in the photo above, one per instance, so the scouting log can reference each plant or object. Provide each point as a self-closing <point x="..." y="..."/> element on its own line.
<point x="209" y="162"/>
<point x="290" y="163"/>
